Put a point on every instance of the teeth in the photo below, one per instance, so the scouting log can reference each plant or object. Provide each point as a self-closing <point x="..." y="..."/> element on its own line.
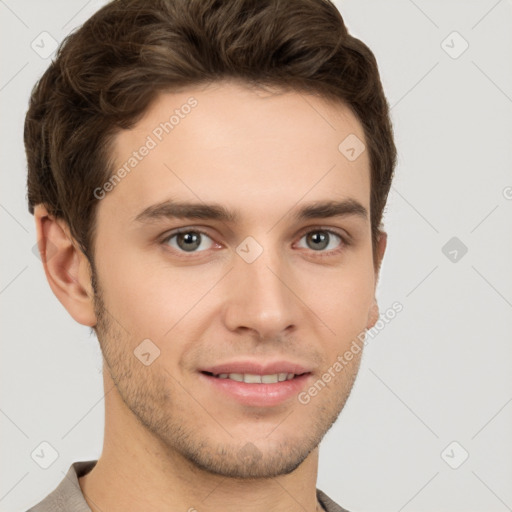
<point x="250" y="378"/>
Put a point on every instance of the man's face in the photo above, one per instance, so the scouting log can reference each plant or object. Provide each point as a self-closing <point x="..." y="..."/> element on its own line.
<point x="293" y="295"/>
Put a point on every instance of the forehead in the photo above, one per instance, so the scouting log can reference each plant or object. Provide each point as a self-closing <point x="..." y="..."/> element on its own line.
<point x="230" y="143"/>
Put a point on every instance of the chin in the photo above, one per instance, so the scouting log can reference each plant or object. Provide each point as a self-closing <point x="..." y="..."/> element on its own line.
<point x="248" y="461"/>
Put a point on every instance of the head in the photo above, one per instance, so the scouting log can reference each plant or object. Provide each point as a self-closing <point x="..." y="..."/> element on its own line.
<point x="242" y="108"/>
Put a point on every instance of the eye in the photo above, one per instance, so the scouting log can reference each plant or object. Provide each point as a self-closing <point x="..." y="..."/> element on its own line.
<point x="189" y="241"/>
<point x="323" y="240"/>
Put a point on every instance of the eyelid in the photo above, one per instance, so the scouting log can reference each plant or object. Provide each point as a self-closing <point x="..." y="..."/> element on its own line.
<point x="184" y="229"/>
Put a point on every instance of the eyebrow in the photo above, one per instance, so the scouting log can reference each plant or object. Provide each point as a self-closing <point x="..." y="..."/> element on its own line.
<point x="171" y="209"/>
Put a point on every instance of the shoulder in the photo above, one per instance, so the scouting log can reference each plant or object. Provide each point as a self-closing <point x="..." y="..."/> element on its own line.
<point x="328" y="504"/>
<point x="67" y="496"/>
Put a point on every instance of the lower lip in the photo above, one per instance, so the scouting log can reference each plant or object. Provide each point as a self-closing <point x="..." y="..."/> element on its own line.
<point x="259" y="395"/>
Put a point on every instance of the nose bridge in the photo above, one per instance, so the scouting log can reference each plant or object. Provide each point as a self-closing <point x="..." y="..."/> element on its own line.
<point x="260" y="297"/>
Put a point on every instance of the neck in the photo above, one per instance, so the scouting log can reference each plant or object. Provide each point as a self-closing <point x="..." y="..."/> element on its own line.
<point x="136" y="471"/>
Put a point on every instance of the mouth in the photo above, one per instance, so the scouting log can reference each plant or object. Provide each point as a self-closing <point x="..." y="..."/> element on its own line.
<point x="263" y="389"/>
<point x="253" y="378"/>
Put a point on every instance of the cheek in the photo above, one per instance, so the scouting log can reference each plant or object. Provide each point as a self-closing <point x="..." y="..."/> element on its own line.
<point x="344" y="297"/>
<point x="344" y="304"/>
<point x="149" y="296"/>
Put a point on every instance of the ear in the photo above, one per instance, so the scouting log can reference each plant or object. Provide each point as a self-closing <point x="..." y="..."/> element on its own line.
<point x="373" y="314"/>
<point x="66" y="267"/>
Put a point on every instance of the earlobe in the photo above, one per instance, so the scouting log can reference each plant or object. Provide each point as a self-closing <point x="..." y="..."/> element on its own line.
<point x="66" y="267"/>
<point x="373" y="314"/>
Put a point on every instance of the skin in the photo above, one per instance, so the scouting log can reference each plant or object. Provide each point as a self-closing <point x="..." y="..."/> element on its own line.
<point x="172" y="442"/>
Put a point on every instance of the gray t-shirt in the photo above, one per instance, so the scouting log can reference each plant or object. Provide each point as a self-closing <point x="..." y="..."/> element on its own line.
<point x="68" y="497"/>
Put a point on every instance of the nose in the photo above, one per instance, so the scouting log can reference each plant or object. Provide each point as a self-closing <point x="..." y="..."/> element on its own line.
<point x="260" y="296"/>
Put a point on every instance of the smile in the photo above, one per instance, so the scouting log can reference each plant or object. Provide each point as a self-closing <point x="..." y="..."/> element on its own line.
<point x="251" y="378"/>
<point x="256" y="390"/>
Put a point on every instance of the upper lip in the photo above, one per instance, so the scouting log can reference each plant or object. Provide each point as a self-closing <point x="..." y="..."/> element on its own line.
<point x="257" y="368"/>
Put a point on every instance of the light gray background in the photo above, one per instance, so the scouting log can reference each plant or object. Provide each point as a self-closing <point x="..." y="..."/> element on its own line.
<point x="439" y="372"/>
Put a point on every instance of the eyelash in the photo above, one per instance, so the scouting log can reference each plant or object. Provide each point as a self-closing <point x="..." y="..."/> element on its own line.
<point x="345" y="241"/>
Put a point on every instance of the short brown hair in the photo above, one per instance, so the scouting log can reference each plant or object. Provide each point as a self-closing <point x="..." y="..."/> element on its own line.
<point x="107" y="73"/>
